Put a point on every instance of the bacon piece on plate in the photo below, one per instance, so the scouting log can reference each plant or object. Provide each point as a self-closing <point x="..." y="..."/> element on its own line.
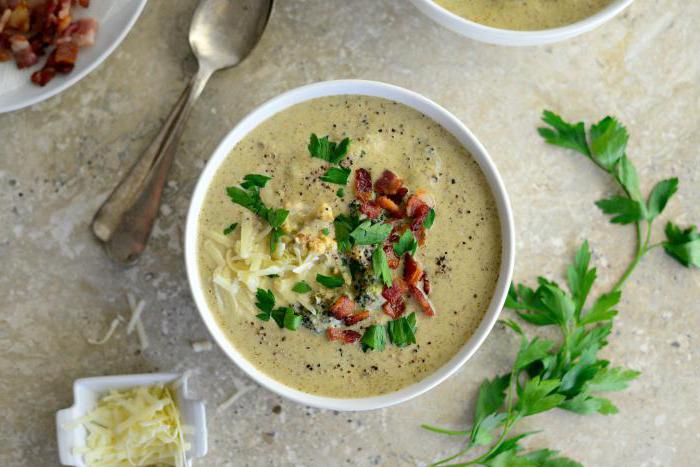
<point x="82" y="33"/>
<point x="422" y="300"/>
<point x="391" y="257"/>
<point x="370" y="209"/>
<point x="388" y="204"/>
<point x="24" y="55"/>
<point x="84" y="3"/>
<point x="388" y="184"/>
<point x="43" y="76"/>
<point x="356" y="317"/>
<point x="412" y="272"/>
<point x="4" y="18"/>
<point x="342" y="307"/>
<point x="19" y="18"/>
<point x="363" y="185"/>
<point x="63" y="58"/>
<point x="347" y="336"/>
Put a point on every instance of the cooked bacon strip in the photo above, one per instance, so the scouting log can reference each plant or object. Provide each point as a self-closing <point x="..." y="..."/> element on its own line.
<point x="342" y="307"/>
<point x="399" y="195"/>
<point x="24" y="55"/>
<point x="412" y="272"/>
<point x="363" y="185"/>
<point x="370" y="209"/>
<point x="419" y="215"/>
<point x="395" y="303"/>
<point x="43" y="76"/>
<point x="356" y="317"/>
<point x="347" y="336"/>
<point x="393" y="208"/>
<point x="391" y="257"/>
<point x="82" y="33"/>
<point x="425" y="196"/>
<point x="394" y="310"/>
<point x="412" y="204"/>
<point x="426" y="283"/>
<point x="388" y="184"/>
<point x="422" y="300"/>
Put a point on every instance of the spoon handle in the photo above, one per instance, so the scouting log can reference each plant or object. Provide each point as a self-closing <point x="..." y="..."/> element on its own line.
<point x="125" y="220"/>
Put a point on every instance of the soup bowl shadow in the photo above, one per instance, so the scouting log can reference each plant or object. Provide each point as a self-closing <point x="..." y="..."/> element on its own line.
<point x="492" y="35"/>
<point x="431" y="110"/>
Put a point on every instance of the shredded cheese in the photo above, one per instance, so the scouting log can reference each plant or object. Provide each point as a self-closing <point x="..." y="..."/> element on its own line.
<point x="134" y="427"/>
<point x="110" y="332"/>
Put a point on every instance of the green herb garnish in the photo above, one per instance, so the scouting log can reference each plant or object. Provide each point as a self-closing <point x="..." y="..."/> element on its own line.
<point x="374" y="338"/>
<point x="322" y="148"/>
<point x="568" y="374"/>
<point x="402" y="331"/>
<point x="325" y="231"/>
<point x="380" y="265"/>
<point x="336" y="175"/>
<point x="229" y="230"/>
<point x="368" y="233"/>
<point x="283" y="316"/>
<point x="407" y="244"/>
<point x="301" y="287"/>
<point x="429" y="219"/>
<point x="330" y="282"/>
<point x="340" y="193"/>
<point x="248" y="196"/>
<point x="343" y="226"/>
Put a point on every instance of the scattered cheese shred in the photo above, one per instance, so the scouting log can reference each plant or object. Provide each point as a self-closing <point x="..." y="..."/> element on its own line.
<point x="110" y="332"/>
<point x="201" y="346"/>
<point x="134" y="427"/>
<point x="234" y="398"/>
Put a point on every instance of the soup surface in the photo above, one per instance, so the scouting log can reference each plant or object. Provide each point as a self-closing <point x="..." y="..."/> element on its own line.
<point x="460" y="253"/>
<point x="524" y="15"/>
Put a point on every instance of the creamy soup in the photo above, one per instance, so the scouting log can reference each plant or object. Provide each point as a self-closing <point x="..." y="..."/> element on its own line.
<point x="525" y="15"/>
<point x="460" y="253"/>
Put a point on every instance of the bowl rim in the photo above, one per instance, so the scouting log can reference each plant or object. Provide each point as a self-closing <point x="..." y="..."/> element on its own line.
<point x="514" y="37"/>
<point x="440" y="116"/>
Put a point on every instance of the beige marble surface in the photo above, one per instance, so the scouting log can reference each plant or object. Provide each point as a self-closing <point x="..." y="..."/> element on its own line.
<point x="58" y="161"/>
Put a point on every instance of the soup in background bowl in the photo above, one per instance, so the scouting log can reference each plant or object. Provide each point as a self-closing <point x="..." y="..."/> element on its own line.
<point x="349" y="245"/>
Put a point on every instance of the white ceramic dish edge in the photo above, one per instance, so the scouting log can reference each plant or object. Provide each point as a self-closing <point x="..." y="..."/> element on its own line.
<point x="435" y="112"/>
<point x="498" y="36"/>
<point x="85" y="395"/>
<point x="61" y="83"/>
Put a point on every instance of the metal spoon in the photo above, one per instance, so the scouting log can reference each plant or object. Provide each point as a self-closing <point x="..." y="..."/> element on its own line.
<point x="222" y="34"/>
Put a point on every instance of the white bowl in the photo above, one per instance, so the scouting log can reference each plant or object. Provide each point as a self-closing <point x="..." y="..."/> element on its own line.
<point x="499" y="36"/>
<point x="86" y="393"/>
<point x="439" y="115"/>
<point x="115" y="19"/>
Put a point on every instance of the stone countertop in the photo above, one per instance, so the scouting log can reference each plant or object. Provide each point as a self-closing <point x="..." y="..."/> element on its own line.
<point x="59" y="160"/>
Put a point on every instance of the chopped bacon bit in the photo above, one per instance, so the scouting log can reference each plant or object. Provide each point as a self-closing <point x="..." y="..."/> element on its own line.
<point x="393" y="208"/>
<point x="4" y="18"/>
<point x="420" y="235"/>
<point x="394" y="310"/>
<point x="363" y="185"/>
<point x="5" y="55"/>
<point x="388" y="184"/>
<point x="342" y="307"/>
<point x="19" y="19"/>
<point x="356" y="318"/>
<point x="426" y="283"/>
<point x="419" y="215"/>
<point x="422" y="300"/>
<point x="43" y="76"/>
<point x="395" y="292"/>
<point x="24" y="55"/>
<point x="82" y="33"/>
<point x="391" y="257"/>
<point x="84" y="3"/>
<point x="412" y="204"/>
<point x="425" y="196"/>
<point x="412" y="272"/>
<point x="370" y="209"/>
<point x="347" y="336"/>
<point x="399" y="195"/>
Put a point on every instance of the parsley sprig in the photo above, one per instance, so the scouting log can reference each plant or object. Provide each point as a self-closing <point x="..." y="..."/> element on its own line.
<point x="248" y="196"/>
<point x="283" y="316"/>
<point x="568" y="373"/>
<point x="323" y="148"/>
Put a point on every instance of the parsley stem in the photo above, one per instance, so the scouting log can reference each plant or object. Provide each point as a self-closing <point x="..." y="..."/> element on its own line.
<point x="642" y="249"/>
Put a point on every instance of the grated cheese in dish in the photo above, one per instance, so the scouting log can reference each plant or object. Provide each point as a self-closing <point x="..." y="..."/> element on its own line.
<point x="134" y="427"/>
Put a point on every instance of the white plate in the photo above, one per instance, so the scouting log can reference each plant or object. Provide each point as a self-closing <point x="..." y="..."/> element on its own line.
<point x="115" y="18"/>
<point x="364" y="88"/>
<point x="87" y="391"/>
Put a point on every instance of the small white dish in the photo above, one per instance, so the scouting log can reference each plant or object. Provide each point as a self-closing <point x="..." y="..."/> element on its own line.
<point x="115" y="19"/>
<point x="431" y="110"/>
<point x="87" y="391"/>
<point x="491" y="35"/>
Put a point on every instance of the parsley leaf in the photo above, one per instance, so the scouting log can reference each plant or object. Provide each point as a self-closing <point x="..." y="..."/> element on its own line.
<point x="626" y="175"/>
<point x="374" y="338"/>
<point x="659" y="196"/>
<point x="257" y="180"/>
<point x="343" y="226"/>
<point x="291" y="320"/>
<point x="369" y="234"/>
<point x="563" y="134"/>
<point x="538" y="396"/>
<point x="322" y="148"/>
<point x="580" y="278"/>
<point x="602" y="308"/>
<point x="402" y="331"/>
<point x="407" y="244"/>
<point x="336" y="175"/>
<point x="608" y="142"/>
<point x="380" y="266"/>
<point x="330" y="282"/>
<point x="340" y="193"/>
<point x="683" y="245"/>
<point x="301" y="287"/>
<point x="265" y="302"/>
<point x="276" y="217"/>
<point x="624" y="210"/>
<point x="229" y="230"/>
<point x="283" y="316"/>
<point x="248" y="200"/>
<point x="429" y="219"/>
